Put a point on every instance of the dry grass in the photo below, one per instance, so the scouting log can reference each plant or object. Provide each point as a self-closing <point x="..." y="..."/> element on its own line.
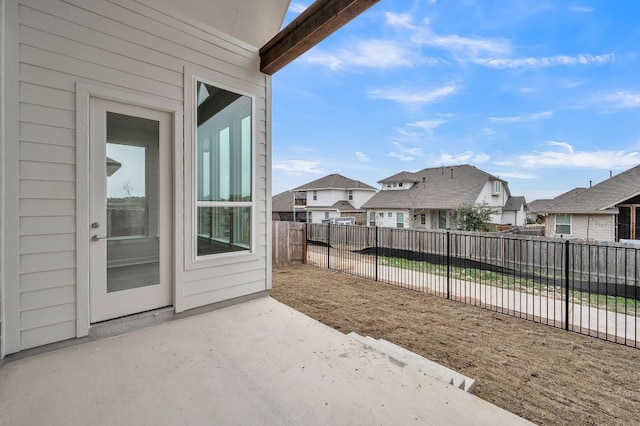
<point x="543" y="374"/>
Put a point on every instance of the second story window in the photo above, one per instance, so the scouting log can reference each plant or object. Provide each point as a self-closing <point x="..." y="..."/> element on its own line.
<point x="350" y="194"/>
<point x="315" y="195"/>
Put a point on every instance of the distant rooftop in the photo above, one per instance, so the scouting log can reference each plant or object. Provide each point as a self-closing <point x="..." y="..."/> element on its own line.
<point x="334" y="181"/>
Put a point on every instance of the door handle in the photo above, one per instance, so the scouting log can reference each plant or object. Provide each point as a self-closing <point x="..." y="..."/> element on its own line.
<point x="97" y="238"/>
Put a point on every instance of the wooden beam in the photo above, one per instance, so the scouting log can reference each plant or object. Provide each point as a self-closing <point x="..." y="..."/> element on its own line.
<point x="316" y="23"/>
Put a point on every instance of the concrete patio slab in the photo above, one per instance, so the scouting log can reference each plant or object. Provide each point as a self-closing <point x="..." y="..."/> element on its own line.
<point x="258" y="362"/>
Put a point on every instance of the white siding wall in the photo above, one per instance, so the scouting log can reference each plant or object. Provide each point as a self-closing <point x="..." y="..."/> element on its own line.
<point x="123" y="44"/>
<point x="1" y="171"/>
<point x="389" y="222"/>
<point x="593" y="227"/>
<point x="360" y="197"/>
<point x="497" y="201"/>
<point x="326" y="197"/>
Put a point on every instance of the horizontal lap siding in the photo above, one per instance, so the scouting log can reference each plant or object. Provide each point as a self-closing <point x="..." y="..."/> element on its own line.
<point x="2" y="224"/>
<point x="122" y="44"/>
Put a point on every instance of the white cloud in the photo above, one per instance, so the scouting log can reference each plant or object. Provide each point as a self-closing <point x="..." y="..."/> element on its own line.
<point x="297" y="7"/>
<point x="399" y="20"/>
<point x="523" y="117"/>
<point x="462" y="158"/>
<point x="457" y="44"/>
<point x="428" y="125"/>
<point x="488" y="131"/>
<point x="546" y="61"/>
<point x="401" y="157"/>
<point x="518" y="175"/>
<point x="366" y="54"/>
<point x="581" y="9"/>
<point x="298" y="167"/>
<point x="404" y="96"/>
<point x="361" y="156"/>
<point x="567" y="157"/>
<point x="622" y="99"/>
<point x="566" y="145"/>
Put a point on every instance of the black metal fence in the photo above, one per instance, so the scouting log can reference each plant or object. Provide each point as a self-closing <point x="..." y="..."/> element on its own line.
<point x="585" y="287"/>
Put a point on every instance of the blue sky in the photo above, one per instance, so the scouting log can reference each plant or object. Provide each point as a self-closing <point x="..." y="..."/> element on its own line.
<point x="544" y="94"/>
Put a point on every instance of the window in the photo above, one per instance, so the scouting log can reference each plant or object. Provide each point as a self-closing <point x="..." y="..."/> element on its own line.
<point x="310" y="221"/>
<point x="497" y="187"/>
<point x="395" y="185"/>
<point x="381" y="214"/>
<point x="442" y="219"/>
<point x="224" y="178"/>
<point x="563" y="224"/>
<point x="326" y="215"/>
<point x="388" y="185"/>
<point x="372" y="219"/>
<point x="350" y="193"/>
<point x="389" y="214"/>
<point x="423" y="219"/>
<point x="400" y="184"/>
<point x="400" y="220"/>
<point x="315" y="195"/>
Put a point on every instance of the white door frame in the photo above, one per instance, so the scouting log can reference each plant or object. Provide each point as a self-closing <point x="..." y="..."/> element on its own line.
<point x="84" y="91"/>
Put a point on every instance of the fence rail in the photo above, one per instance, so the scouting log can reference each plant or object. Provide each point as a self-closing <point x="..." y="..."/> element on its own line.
<point x="585" y="287"/>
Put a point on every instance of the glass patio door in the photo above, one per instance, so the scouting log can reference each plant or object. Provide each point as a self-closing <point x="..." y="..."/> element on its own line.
<point x="130" y="209"/>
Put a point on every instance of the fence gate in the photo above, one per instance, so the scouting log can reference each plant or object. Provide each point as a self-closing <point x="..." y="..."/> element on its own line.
<point x="289" y="243"/>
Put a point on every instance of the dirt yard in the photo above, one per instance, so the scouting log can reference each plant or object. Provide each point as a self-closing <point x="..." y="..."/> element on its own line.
<point x="546" y="375"/>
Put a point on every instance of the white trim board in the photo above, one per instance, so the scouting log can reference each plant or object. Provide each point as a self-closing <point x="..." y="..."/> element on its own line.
<point x="84" y="91"/>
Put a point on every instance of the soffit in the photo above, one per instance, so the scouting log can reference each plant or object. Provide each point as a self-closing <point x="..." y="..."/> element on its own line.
<point x="252" y="21"/>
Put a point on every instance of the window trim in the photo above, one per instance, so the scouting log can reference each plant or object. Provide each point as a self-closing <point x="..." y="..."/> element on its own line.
<point x="191" y="258"/>
<point x="556" y="224"/>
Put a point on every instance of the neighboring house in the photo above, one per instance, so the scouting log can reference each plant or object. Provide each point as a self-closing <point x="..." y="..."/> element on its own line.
<point x="135" y="141"/>
<point x="336" y="196"/>
<point x="608" y="211"/>
<point x="535" y="208"/>
<point x="289" y="206"/>
<point x="514" y="211"/>
<point x="428" y="199"/>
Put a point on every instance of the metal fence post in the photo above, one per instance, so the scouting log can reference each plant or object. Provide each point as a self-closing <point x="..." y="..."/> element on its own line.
<point x="376" y="252"/>
<point x="328" y="245"/>
<point x="448" y="264"/>
<point x="566" y="284"/>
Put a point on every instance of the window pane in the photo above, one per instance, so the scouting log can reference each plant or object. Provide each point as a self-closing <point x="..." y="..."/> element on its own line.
<point x="223" y="145"/>
<point x="246" y="158"/>
<point x="223" y="229"/>
<point x="127" y="210"/>
<point x="563" y="229"/>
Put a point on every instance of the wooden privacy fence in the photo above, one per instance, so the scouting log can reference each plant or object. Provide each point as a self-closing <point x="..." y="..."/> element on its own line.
<point x="289" y="243"/>
<point x="588" y="287"/>
<point x="611" y="262"/>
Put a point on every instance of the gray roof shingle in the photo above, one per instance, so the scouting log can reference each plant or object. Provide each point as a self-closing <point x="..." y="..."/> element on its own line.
<point x="282" y="202"/>
<point x="600" y="198"/>
<point x="515" y="203"/>
<point x="436" y="188"/>
<point x="334" y="181"/>
<point x="539" y="205"/>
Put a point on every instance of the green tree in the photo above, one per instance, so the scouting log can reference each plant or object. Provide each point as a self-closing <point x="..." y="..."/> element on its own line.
<point x="474" y="217"/>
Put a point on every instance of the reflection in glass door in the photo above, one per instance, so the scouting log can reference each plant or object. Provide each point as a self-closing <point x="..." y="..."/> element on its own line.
<point x="132" y="202"/>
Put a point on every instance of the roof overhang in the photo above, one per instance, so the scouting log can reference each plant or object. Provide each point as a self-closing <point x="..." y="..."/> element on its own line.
<point x="316" y="23"/>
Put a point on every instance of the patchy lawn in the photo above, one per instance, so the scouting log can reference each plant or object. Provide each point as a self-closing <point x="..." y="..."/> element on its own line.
<point x="546" y="375"/>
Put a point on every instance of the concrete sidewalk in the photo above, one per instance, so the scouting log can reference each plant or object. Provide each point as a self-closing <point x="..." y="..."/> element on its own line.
<point x="258" y="362"/>
<point x="588" y="320"/>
